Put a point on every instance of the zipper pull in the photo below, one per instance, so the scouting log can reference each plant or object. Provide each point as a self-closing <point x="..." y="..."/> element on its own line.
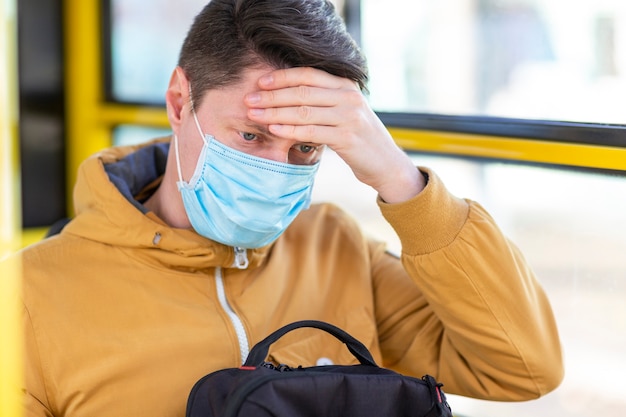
<point x="241" y="258"/>
<point x="284" y="368"/>
<point x="438" y="395"/>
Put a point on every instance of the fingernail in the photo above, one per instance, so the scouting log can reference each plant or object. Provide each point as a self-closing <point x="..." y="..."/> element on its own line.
<point x="253" y="98"/>
<point x="256" y="112"/>
<point x="266" y="80"/>
<point x="275" y="128"/>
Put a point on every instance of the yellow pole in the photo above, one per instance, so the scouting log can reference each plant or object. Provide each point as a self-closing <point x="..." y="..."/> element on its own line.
<point x="86" y="134"/>
<point x="10" y="222"/>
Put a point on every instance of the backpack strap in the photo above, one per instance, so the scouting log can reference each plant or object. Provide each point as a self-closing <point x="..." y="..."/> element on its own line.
<point x="259" y="352"/>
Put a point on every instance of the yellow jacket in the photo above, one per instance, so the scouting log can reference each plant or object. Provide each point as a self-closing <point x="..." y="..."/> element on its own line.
<point x="123" y="314"/>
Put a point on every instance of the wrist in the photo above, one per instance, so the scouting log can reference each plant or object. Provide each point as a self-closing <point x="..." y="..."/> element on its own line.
<point x="404" y="187"/>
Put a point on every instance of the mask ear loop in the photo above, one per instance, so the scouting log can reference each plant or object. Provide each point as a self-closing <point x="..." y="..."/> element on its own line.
<point x="193" y="111"/>
<point x="180" y="175"/>
<point x="195" y="118"/>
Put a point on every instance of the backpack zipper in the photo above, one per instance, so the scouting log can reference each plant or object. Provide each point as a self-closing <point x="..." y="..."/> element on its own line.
<point x="240" y="330"/>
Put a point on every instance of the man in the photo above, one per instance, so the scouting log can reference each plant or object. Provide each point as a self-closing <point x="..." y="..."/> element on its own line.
<point x="187" y="251"/>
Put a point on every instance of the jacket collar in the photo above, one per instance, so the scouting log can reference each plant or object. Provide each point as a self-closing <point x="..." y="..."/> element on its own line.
<point x="107" y="210"/>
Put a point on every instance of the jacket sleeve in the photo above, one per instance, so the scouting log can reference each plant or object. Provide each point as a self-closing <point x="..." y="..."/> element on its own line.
<point x="463" y="305"/>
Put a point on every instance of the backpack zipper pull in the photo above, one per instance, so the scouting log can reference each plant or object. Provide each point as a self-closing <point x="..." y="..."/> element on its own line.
<point x="437" y="392"/>
<point x="284" y="368"/>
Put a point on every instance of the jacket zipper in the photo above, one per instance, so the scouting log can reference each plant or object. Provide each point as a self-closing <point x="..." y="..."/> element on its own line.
<point x="241" y="258"/>
<point x="240" y="330"/>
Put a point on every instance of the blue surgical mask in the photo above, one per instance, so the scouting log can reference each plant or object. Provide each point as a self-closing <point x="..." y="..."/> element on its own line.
<point x="239" y="199"/>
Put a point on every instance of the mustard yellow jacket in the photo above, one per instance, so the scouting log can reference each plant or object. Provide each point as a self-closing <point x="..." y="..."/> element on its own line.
<point x="123" y="314"/>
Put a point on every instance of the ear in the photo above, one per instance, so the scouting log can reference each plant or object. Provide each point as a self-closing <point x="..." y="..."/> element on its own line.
<point x="176" y="97"/>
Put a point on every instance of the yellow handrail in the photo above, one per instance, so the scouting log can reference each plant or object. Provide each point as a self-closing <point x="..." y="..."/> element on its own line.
<point x="512" y="149"/>
<point x="10" y="276"/>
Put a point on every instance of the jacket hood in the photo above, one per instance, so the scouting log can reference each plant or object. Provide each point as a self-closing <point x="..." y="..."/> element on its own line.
<point x="108" y="210"/>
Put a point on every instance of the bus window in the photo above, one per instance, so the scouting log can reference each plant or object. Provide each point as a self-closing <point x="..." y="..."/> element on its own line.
<point x="141" y="51"/>
<point x="144" y="51"/>
<point x="507" y="58"/>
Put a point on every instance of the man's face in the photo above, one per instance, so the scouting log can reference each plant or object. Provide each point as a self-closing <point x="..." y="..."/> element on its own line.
<point x="223" y="114"/>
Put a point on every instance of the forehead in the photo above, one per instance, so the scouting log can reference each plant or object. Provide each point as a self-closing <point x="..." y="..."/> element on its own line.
<point x="223" y="109"/>
<point x="232" y="95"/>
<point x="248" y="81"/>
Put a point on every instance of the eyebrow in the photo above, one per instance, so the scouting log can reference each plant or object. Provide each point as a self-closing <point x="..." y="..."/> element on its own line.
<point x="264" y="130"/>
<point x="261" y="128"/>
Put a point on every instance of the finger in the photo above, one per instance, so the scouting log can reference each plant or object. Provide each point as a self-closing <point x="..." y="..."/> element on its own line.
<point x="291" y="77"/>
<point x="294" y="96"/>
<point x="323" y="135"/>
<point x="296" y="115"/>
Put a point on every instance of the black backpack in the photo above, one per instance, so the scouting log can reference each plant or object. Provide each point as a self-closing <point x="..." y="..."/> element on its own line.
<point x="261" y="389"/>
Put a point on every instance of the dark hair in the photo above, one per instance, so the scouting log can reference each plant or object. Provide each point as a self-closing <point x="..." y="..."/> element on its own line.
<point x="228" y="36"/>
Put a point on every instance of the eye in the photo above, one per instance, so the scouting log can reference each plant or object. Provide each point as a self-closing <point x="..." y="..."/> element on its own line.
<point x="248" y="136"/>
<point x="304" y="148"/>
<point x="305" y="153"/>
